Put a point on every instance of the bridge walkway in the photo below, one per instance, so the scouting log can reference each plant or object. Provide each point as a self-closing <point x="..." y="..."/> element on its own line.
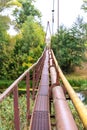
<point x="40" y="119"/>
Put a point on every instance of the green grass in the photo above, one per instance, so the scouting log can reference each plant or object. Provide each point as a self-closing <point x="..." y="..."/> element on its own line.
<point x="78" y="82"/>
<point x="4" y="84"/>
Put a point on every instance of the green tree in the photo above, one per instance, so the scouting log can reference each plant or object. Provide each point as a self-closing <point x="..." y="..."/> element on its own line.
<point x="68" y="47"/>
<point x="28" y="48"/>
<point x="3" y="4"/>
<point x="32" y="36"/>
<point x="22" y="51"/>
<point x="27" y="9"/>
<point x="4" y="42"/>
<point x="84" y="6"/>
<point x="4" y="21"/>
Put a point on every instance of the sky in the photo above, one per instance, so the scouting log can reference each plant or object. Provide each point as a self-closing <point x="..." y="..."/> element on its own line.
<point x="8" y="12"/>
<point x="68" y="11"/>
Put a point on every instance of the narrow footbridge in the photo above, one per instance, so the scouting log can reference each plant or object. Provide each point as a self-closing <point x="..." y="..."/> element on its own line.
<point x="49" y="90"/>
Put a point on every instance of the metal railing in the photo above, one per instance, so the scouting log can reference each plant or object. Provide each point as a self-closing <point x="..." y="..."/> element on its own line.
<point x="57" y="91"/>
<point x="80" y="107"/>
<point x="13" y="89"/>
<point x="64" y="117"/>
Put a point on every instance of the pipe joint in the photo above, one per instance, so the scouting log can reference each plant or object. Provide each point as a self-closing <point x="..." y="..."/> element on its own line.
<point x="55" y="84"/>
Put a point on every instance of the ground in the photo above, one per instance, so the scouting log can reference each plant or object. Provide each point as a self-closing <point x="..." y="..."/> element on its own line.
<point x="81" y="71"/>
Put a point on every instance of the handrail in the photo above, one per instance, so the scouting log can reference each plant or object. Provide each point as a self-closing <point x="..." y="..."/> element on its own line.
<point x="13" y="88"/>
<point x="13" y="85"/>
<point x="80" y="107"/>
<point x="64" y="117"/>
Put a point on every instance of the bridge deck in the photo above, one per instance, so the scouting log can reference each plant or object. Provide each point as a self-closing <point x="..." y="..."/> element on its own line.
<point x="41" y="118"/>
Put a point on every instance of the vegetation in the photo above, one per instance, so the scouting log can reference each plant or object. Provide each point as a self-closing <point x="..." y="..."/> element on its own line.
<point x="79" y="84"/>
<point x="20" y="52"/>
<point x="27" y="9"/>
<point x="7" y="114"/>
<point x="7" y="119"/>
<point x="76" y="116"/>
<point x="27" y="46"/>
<point x="3" y="4"/>
<point x="84" y="6"/>
<point x="69" y="46"/>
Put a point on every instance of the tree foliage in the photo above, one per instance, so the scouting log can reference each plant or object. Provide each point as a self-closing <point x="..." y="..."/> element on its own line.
<point x="20" y="52"/>
<point x="3" y="4"/>
<point x="84" y="6"/>
<point x="30" y="46"/>
<point x="4" y="20"/>
<point x="68" y="45"/>
<point x="27" y="9"/>
<point x="13" y="3"/>
<point x="4" y="41"/>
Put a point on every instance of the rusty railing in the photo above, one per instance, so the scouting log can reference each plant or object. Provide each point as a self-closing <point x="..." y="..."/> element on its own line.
<point x="13" y="88"/>
<point x="40" y="78"/>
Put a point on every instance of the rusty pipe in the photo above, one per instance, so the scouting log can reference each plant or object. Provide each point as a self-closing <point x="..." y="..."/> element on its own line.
<point x="80" y="107"/>
<point x="53" y="75"/>
<point x="64" y="118"/>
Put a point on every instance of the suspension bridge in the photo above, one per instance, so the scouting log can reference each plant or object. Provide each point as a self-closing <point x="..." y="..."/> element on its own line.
<point x="46" y="90"/>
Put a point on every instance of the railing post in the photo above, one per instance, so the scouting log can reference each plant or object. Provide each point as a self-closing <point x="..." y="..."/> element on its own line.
<point x="16" y="109"/>
<point x="37" y="76"/>
<point x="28" y="95"/>
<point x="33" y="93"/>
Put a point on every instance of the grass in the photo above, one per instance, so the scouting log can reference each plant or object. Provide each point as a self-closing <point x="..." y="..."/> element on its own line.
<point x="78" y="79"/>
<point x="7" y="115"/>
<point x="78" y="84"/>
<point x="4" y="84"/>
<point x="75" y="116"/>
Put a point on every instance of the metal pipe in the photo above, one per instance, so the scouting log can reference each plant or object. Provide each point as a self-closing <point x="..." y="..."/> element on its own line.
<point x="80" y="107"/>
<point x="64" y="118"/>
<point x="53" y="75"/>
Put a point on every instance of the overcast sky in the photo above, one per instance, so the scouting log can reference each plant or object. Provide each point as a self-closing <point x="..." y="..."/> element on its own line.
<point x="68" y="11"/>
